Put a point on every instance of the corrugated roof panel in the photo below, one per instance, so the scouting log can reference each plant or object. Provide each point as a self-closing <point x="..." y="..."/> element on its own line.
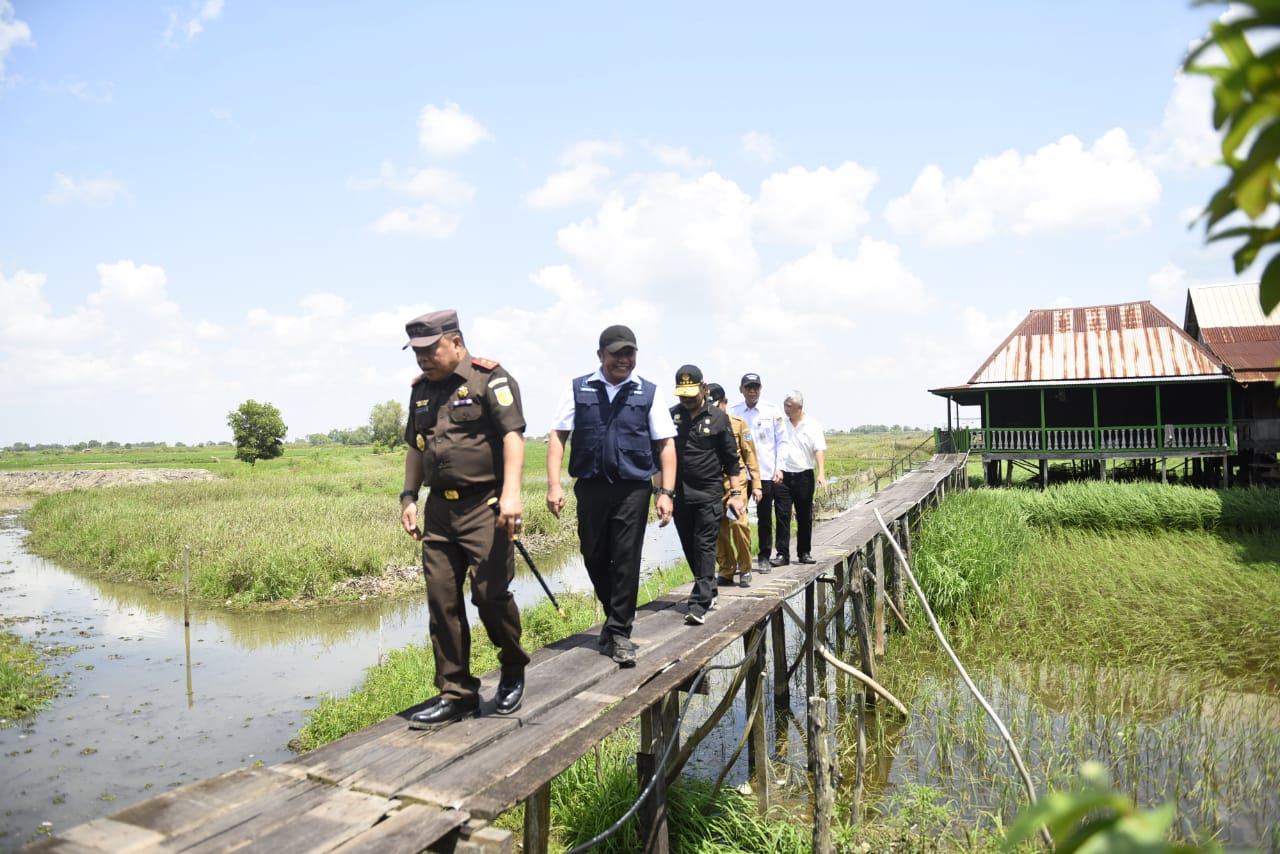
<point x="1122" y="341"/>
<point x="1230" y="305"/>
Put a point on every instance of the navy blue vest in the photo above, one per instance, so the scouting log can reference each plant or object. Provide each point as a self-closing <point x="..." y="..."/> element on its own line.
<point x="611" y="441"/>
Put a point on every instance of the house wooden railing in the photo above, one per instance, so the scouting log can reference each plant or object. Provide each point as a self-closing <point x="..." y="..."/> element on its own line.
<point x="1032" y="441"/>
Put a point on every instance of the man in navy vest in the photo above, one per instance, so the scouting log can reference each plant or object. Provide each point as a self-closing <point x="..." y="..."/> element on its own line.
<point x="620" y="441"/>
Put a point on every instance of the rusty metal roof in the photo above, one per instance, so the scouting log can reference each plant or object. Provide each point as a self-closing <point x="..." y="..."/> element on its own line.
<point x="1228" y="319"/>
<point x="1130" y="341"/>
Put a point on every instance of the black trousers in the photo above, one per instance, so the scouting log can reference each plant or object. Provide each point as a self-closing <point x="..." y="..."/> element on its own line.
<point x="795" y="491"/>
<point x="764" y="518"/>
<point x="611" y="522"/>
<point x="698" y="524"/>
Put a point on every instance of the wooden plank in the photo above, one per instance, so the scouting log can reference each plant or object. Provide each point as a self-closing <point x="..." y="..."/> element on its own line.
<point x="408" y="830"/>
<point x="247" y="821"/>
<point x="107" y="834"/>
<point x="501" y="794"/>
<point x="341" y="816"/>
<point x="186" y="807"/>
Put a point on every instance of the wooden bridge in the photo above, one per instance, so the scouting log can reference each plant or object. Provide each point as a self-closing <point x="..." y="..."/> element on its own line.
<point x="391" y="789"/>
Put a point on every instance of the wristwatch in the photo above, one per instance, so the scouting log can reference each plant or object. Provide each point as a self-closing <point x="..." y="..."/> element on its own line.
<point x="658" y="490"/>
<point x="409" y="493"/>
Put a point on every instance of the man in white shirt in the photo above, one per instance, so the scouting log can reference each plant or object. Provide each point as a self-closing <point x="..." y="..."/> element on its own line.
<point x="769" y="431"/>
<point x="806" y="454"/>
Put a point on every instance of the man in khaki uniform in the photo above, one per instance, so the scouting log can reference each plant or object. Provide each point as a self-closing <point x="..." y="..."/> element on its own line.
<point x="465" y="433"/>
<point x="735" y="534"/>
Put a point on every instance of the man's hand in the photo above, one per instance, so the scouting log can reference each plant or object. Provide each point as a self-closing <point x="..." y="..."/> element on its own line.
<point x="665" y="507"/>
<point x="409" y="518"/>
<point x="510" y="513"/>
<point x="555" y="499"/>
<point x="738" y="503"/>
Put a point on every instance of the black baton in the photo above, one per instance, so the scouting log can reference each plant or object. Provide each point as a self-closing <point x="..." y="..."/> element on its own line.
<point x="493" y="502"/>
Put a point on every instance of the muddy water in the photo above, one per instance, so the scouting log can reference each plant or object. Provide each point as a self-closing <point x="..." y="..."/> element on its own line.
<point x="149" y="705"/>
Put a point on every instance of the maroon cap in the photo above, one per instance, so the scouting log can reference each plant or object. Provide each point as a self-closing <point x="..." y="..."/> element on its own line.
<point x="429" y="328"/>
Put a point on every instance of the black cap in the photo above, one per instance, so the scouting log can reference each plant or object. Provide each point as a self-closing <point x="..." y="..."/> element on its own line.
<point x="688" y="381"/>
<point x="715" y="392"/>
<point x="428" y="329"/>
<point x="617" y="337"/>
<point x="750" y="379"/>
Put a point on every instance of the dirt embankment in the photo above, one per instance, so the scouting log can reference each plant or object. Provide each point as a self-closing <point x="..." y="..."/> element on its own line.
<point x="36" y="483"/>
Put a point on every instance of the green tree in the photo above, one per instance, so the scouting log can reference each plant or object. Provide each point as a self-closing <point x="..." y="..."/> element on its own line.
<point x="258" y="430"/>
<point x="386" y="422"/>
<point x="1246" y="110"/>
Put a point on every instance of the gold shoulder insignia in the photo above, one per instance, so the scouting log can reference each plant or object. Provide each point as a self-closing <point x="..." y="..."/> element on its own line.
<point x="484" y="364"/>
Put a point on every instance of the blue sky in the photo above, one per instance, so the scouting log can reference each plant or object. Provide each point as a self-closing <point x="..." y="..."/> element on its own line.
<point x="202" y="203"/>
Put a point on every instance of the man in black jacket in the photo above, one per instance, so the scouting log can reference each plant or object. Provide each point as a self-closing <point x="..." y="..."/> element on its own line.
<point x="705" y="454"/>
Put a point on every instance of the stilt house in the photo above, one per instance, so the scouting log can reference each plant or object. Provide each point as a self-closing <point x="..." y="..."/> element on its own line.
<point x="1094" y="386"/>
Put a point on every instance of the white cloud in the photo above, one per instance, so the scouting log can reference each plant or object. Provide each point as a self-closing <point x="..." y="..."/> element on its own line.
<point x="1060" y="187"/>
<point x="590" y="150"/>
<point x="192" y="24"/>
<point x="677" y="157"/>
<point x="423" y="221"/>
<point x="101" y="92"/>
<point x="580" y="181"/>
<point x="13" y="33"/>
<point x="447" y="131"/>
<point x="675" y="237"/>
<point x="95" y="191"/>
<point x="1186" y="138"/>
<point x="439" y="185"/>
<point x="141" y="288"/>
<point x="760" y="146"/>
<point x="137" y="369"/>
<point x="822" y="206"/>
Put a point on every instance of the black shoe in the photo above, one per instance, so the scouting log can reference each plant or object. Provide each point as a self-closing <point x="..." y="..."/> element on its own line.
<point x="763" y="565"/>
<point x="745" y="579"/>
<point x="510" y="693"/>
<point x="622" y="651"/>
<point x="697" y="616"/>
<point x="806" y="558"/>
<point x="721" y="581"/>
<point x="780" y="560"/>
<point x="446" y="711"/>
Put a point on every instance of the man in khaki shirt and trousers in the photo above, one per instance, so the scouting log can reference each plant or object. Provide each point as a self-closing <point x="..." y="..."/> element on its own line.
<point x="735" y="534"/>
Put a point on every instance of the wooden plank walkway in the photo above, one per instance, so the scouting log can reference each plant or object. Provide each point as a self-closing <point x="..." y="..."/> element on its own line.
<point x="389" y="789"/>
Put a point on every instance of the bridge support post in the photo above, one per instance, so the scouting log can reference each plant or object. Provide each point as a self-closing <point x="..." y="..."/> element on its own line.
<point x="807" y="644"/>
<point x="778" y="640"/>
<point x="877" y="566"/>
<point x="861" y="619"/>
<point x="820" y="760"/>
<point x="655" y="731"/>
<point x="537" y="821"/>
<point x="757" y="745"/>
<point x="898" y="528"/>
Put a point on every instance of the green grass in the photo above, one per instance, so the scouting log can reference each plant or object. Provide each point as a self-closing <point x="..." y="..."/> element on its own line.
<point x="287" y="529"/>
<point x="26" y="685"/>
<point x="1129" y="623"/>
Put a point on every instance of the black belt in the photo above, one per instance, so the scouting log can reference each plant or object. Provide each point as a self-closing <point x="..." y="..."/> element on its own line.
<point x="459" y="492"/>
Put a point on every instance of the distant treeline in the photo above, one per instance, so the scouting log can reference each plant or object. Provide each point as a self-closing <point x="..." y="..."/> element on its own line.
<point x="362" y="435"/>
